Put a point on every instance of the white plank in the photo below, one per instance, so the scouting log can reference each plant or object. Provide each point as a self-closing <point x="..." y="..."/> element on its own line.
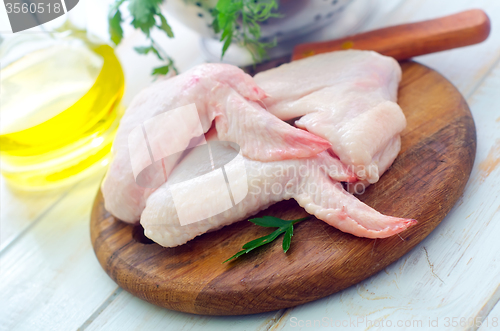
<point x="464" y="67"/>
<point x="454" y="272"/>
<point x="50" y="278"/>
<point x="127" y="312"/>
<point x="20" y="209"/>
<point x="492" y="322"/>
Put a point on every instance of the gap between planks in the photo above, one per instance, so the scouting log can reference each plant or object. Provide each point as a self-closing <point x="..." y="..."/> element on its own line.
<point x="101" y="308"/>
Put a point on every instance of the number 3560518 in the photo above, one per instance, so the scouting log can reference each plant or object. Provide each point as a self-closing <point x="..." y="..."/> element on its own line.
<point x="33" y="8"/>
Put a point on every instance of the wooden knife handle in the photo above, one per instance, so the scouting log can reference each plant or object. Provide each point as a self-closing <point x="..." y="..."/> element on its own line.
<point x="408" y="40"/>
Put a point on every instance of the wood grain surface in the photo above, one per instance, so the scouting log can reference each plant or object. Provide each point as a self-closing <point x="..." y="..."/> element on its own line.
<point x="425" y="181"/>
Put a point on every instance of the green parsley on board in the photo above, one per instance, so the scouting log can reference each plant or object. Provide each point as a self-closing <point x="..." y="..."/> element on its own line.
<point x="283" y="226"/>
<point x="237" y="21"/>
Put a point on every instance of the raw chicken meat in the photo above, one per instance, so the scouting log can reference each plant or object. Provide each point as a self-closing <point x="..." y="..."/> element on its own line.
<point x="273" y="153"/>
<point x="348" y="98"/>
<point x="223" y="94"/>
<point x="316" y="189"/>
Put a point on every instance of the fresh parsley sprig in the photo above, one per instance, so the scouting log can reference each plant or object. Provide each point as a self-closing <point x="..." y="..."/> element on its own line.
<point x="238" y="20"/>
<point x="283" y="226"/>
<point x="146" y="15"/>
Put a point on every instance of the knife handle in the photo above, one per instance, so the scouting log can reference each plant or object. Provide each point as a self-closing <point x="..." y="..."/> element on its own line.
<point x="407" y="40"/>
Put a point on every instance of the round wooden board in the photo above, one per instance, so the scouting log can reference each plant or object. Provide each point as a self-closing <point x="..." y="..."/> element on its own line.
<point x="425" y="181"/>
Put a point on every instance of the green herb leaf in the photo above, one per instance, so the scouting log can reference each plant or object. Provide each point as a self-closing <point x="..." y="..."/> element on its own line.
<point x="287" y="239"/>
<point x="143" y="14"/>
<point x="239" y="20"/>
<point x="161" y="70"/>
<point x="147" y="49"/>
<point x="165" y="26"/>
<point x="274" y="222"/>
<point x="269" y="221"/>
<point x="262" y="240"/>
<point x="143" y="49"/>
<point x="228" y="41"/>
<point x="115" y="28"/>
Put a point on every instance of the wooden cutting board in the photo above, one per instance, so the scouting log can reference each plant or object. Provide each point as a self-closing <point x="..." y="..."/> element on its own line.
<point x="425" y="181"/>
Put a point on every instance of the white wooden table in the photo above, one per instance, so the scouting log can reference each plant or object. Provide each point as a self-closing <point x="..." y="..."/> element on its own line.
<point x="51" y="280"/>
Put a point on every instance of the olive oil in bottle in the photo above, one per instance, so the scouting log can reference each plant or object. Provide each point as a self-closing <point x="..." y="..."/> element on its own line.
<point x="59" y="108"/>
